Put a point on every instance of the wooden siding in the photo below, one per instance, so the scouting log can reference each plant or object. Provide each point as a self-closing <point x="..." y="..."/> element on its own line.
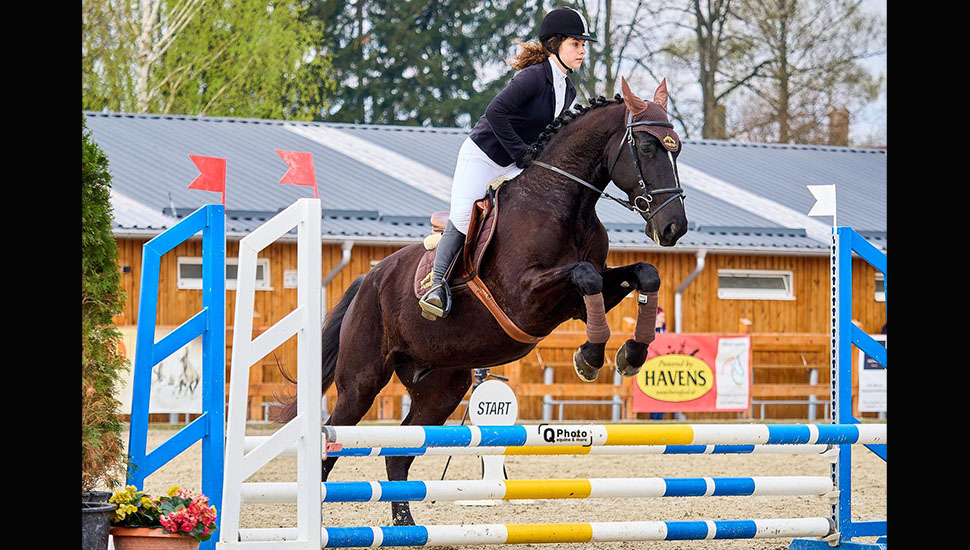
<point x="703" y="311"/>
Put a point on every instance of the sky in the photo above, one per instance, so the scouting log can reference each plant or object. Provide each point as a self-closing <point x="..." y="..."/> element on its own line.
<point x="873" y="120"/>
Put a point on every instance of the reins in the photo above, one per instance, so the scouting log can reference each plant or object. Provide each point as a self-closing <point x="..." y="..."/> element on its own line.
<point x="646" y="194"/>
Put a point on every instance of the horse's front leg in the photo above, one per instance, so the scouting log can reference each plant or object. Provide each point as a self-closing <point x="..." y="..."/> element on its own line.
<point x="617" y="283"/>
<point x="588" y="359"/>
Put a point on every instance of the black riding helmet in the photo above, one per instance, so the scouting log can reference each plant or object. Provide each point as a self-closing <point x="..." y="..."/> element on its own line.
<point x="567" y="22"/>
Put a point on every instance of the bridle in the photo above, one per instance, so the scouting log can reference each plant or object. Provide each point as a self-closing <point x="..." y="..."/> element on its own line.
<point x="642" y="202"/>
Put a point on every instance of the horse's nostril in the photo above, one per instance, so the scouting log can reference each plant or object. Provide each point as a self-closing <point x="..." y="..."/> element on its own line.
<point x="674" y="231"/>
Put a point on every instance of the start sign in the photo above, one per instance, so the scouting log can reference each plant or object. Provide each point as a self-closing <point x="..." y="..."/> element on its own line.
<point x="493" y="403"/>
<point x="695" y="372"/>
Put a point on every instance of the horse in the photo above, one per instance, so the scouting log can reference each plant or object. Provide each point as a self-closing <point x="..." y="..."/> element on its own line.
<point x="546" y="264"/>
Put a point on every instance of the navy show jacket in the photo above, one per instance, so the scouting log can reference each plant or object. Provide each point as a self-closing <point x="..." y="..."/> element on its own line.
<point x="517" y="115"/>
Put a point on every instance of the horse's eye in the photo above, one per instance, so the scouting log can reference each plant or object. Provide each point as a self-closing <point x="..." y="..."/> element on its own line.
<point x="648" y="147"/>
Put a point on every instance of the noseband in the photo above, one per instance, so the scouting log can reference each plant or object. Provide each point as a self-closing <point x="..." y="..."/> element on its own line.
<point x="641" y="203"/>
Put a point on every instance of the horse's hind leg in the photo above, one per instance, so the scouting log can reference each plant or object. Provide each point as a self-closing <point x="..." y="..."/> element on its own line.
<point x="360" y="375"/>
<point x="433" y="399"/>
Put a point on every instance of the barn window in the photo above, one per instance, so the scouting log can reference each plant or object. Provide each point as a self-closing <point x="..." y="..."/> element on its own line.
<point x="190" y="273"/>
<point x="880" y="287"/>
<point x="738" y="284"/>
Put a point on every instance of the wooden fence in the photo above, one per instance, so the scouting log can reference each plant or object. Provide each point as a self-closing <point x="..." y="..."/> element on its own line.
<point x="781" y="368"/>
<point x="781" y="365"/>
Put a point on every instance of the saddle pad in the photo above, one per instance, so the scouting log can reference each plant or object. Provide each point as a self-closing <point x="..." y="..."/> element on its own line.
<point x="481" y="228"/>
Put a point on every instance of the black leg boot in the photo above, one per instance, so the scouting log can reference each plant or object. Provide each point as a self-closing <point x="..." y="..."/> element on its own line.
<point x="437" y="301"/>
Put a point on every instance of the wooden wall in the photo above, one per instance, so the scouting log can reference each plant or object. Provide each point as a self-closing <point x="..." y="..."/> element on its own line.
<point x="703" y="311"/>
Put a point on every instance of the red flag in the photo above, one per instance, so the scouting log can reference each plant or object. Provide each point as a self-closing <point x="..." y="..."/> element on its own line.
<point x="300" y="169"/>
<point x="212" y="175"/>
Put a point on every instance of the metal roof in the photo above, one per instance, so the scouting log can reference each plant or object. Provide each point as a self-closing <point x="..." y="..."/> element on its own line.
<point x="381" y="183"/>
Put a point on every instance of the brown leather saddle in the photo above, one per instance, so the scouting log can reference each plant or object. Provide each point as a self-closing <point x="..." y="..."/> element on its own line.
<point x="464" y="273"/>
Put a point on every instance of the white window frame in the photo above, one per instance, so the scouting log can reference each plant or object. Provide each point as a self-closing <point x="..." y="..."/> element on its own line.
<point x="754" y="293"/>
<point x="196" y="284"/>
<point x="880" y="296"/>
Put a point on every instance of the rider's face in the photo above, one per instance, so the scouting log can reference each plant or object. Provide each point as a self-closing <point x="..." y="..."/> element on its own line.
<point x="572" y="51"/>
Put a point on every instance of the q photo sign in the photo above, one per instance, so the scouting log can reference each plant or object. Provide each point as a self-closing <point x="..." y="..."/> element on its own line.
<point x="695" y="373"/>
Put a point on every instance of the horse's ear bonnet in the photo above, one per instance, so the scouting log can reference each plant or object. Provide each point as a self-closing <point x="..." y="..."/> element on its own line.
<point x="651" y="110"/>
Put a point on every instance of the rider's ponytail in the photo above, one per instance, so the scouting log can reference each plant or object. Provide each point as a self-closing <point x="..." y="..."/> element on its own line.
<point x="535" y="52"/>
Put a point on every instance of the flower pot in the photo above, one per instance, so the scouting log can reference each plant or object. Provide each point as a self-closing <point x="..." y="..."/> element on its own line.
<point x="95" y="522"/>
<point x="96" y="496"/>
<point x="147" y="538"/>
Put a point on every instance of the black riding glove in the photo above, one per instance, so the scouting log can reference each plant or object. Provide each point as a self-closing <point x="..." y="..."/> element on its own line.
<point x="526" y="157"/>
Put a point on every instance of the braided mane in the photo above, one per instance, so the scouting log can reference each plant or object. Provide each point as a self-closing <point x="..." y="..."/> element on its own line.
<point x="535" y="148"/>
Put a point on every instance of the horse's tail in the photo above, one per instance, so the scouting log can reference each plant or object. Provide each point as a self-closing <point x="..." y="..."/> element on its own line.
<point x="331" y="342"/>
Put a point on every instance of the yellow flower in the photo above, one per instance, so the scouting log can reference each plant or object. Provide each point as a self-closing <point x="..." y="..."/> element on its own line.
<point x="122" y="511"/>
<point x="123" y="496"/>
<point x="146" y="502"/>
<point x="173" y="490"/>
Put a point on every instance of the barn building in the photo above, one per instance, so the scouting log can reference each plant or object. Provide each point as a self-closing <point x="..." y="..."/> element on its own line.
<point x="752" y="261"/>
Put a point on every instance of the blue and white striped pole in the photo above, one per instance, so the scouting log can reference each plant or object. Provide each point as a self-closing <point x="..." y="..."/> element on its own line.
<point x="599" y="435"/>
<point x="452" y="490"/>
<point x="430" y="535"/>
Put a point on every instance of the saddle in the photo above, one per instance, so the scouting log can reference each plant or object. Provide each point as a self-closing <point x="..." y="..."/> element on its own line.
<point x="481" y="229"/>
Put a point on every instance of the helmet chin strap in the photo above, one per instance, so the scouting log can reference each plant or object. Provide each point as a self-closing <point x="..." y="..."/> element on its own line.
<point x="568" y="70"/>
<point x="548" y="49"/>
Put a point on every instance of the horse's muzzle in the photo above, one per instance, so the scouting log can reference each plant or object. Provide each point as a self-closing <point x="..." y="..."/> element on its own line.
<point x="667" y="236"/>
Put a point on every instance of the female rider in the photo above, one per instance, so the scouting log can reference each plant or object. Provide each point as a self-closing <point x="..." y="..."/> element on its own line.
<point x="535" y="96"/>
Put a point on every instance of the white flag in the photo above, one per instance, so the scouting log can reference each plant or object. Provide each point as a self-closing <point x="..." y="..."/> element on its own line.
<point x="824" y="200"/>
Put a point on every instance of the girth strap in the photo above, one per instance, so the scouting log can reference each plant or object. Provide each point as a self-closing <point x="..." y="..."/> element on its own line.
<point x="485" y="297"/>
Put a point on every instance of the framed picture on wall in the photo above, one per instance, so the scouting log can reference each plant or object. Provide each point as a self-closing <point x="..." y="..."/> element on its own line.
<point x="176" y="382"/>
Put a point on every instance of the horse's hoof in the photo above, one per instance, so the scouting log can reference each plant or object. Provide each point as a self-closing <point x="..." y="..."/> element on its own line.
<point x="403" y="519"/>
<point x="586" y="372"/>
<point x="629" y="358"/>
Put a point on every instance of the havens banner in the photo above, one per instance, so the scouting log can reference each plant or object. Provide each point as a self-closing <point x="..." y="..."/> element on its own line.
<point x="695" y="372"/>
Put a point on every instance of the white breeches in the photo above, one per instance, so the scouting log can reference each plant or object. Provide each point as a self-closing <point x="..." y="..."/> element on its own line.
<point x="473" y="171"/>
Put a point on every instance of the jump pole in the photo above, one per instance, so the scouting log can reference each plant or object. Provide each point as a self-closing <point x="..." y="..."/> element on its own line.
<point x="432" y="535"/>
<point x="599" y="434"/>
<point x="458" y="490"/>
<point x="829" y="451"/>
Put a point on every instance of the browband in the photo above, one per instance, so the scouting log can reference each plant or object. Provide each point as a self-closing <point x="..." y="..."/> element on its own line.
<point x="663" y="123"/>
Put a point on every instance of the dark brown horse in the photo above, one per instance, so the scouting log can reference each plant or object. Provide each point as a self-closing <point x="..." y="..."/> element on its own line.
<point x="547" y="258"/>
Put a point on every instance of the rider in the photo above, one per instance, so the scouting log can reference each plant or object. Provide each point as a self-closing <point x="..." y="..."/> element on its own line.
<point x="515" y="117"/>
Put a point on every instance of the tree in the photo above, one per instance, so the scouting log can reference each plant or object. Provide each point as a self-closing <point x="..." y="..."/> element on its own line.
<point x="625" y="34"/>
<point x="811" y="51"/>
<point x="420" y="62"/>
<point x="708" y="45"/>
<point x="121" y="43"/>
<point x="102" y="450"/>
<point x="247" y="58"/>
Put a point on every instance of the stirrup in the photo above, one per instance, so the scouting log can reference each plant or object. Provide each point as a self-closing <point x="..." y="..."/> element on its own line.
<point x="432" y="312"/>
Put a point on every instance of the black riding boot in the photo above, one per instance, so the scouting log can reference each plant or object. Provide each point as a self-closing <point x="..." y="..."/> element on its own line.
<point x="437" y="301"/>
